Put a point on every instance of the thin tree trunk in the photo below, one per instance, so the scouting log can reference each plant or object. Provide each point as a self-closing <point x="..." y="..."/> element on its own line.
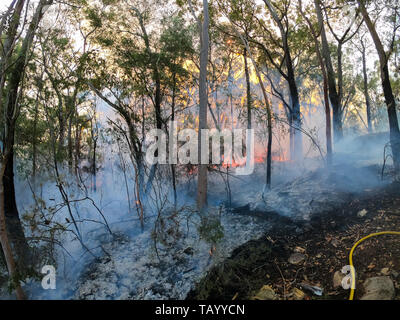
<point x="70" y="144"/>
<point x="94" y="165"/>
<point x="366" y="94"/>
<point x="203" y="92"/>
<point x="34" y="139"/>
<point x="173" y="168"/>
<point x="328" y="124"/>
<point x="248" y="89"/>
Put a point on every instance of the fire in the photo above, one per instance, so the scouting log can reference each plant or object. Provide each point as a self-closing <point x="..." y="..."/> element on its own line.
<point x="234" y="164"/>
<point x="212" y="250"/>
<point x="281" y="157"/>
<point x="258" y="158"/>
<point x="276" y="157"/>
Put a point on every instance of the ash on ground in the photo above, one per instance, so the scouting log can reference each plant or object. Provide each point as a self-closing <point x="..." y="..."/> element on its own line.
<point x="166" y="265"/>
<point x="141" y="268"/>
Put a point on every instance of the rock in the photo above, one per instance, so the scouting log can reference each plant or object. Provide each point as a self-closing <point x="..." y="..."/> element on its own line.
<point x="395" y="274"/>
<point x="298" y="294"/>
<point x="296" y="258"/>
<point x="378" y="288"/>
<point x="265" y="293"/>
<point x="362" y="213"/>
<point x="385" y="271"/>
<point x="337" y="279"/>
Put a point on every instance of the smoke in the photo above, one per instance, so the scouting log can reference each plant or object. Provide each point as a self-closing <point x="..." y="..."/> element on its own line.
<point x="133" y="254"/>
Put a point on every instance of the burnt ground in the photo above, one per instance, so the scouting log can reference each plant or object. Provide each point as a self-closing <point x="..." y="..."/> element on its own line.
<point x="326" y="241"/>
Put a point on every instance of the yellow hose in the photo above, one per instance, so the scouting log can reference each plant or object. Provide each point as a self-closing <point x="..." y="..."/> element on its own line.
<point x="353" y="276"/>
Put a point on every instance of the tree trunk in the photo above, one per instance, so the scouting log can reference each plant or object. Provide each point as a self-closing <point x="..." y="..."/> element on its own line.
<point x="392" y="114"/>
<point x="14" y="226"/>
<point x="248" y="89"/>
<point x="94" y="165"/>
<point x="173" y="167"/>
<point x="4" y="238"/>
<point x="328" y="124"/>
<point x="203" y="92"/>
<point x="366" y="94"/>
<point x="34" y="140"/>
<point x="70" y="143"/>
<point x="296" y="121"/>
<point x="8" y="208"/>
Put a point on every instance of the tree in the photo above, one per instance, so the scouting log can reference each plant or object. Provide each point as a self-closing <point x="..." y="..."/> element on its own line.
<point x="335" y="80"/>
<point x="203" y="106"/>
<point x="386" y="85"/>
<point x="362" y="48"/>
<point x="295" y="115"/>
<point x="244" y="40"/>
<point x="328" y="123"/>
<point x="12" y="66"/>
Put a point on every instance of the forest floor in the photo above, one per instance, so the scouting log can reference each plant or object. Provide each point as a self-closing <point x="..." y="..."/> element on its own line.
<point x="241" y="253"/>
<point x="260" y="269"/>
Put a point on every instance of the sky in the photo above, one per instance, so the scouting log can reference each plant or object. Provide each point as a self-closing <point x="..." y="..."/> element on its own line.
<point x="4" y="4"/>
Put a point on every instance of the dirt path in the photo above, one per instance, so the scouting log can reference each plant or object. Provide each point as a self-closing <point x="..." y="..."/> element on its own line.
<point x="324" y="243"/>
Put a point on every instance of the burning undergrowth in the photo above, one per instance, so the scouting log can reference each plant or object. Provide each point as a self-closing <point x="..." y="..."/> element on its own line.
<point x="189" y="247"/>
<point x="177" y="246"/>
<point x="177" y="249"/>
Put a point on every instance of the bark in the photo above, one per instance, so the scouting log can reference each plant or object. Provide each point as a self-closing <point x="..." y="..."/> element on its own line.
<point x="203" y="92"/>
<point x="387" y="87"/>
<point x="15" y="229"/>
<point x="173" y="167"/>
<point x="248" y="89"/>
<point x="4" y="239"/>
